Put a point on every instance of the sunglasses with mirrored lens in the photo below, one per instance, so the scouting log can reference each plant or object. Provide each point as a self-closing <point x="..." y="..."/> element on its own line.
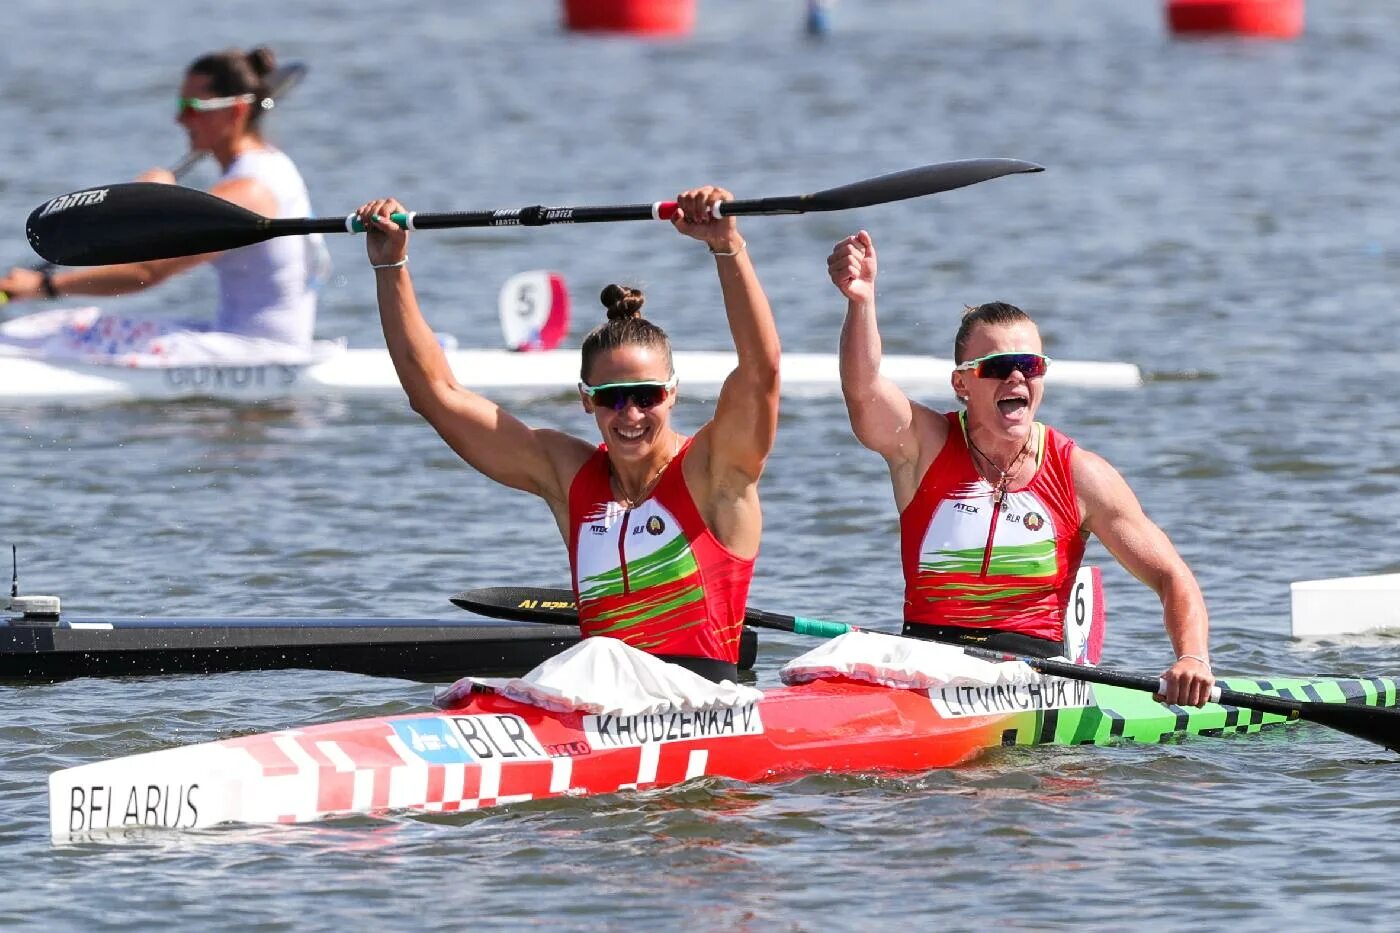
<point x="1002" y="365"/>
<point x="617" y="395"/>
<point x="184" y="105"/>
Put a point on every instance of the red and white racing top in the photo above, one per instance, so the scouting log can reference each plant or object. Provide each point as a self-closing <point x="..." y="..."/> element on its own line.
<point x="974" y="562"/>
<point x="654" y="575"/>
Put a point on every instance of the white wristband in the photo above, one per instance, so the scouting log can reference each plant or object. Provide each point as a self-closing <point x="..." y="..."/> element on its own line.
<point x="1194" y="657"/>
<point x="391" y="265"/>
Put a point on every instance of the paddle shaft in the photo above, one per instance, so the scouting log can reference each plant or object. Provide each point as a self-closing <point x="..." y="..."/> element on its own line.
<point x="537" y="216"/>
<point x="1374" y="724"/>
<point x="281" y="81"/>
<point x="896" y="186"/>
<point x="1290" y="708"/>
<point x="137" y="221"/>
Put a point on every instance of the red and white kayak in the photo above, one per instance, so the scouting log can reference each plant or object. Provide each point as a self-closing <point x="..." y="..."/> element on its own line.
<point x="489" y="750"/>
<point x="493" y="750"/>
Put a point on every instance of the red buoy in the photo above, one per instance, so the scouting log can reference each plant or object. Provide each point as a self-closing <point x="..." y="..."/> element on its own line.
<point x="647" y="17"/>
<point x="1275" y="19"/>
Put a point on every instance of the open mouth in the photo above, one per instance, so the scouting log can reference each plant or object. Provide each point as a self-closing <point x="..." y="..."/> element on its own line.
<point x="1012" y="405"/>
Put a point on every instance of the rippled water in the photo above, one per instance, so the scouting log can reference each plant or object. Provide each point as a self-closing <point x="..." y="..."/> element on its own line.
<point x="1224" y="214"/>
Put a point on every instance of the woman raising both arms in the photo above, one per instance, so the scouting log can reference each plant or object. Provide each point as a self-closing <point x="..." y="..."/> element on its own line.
<point x="662" y="528"/>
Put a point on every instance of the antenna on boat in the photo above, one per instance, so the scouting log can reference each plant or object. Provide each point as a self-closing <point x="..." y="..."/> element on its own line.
<point x="39" y="610"/>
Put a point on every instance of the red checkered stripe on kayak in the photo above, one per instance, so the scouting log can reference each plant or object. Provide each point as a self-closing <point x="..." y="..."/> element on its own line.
<point x="306" y="775"/>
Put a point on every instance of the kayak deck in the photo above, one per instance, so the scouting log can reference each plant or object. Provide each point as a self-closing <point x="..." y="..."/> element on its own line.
<point x="1120" y="714"/>
<point x="490" y="750"/>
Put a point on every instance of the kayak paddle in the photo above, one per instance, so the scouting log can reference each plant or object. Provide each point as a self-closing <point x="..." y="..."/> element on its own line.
<point x="139" y="221"/>
<point x="279" y="83"/>
<point x="1380" y="725"/>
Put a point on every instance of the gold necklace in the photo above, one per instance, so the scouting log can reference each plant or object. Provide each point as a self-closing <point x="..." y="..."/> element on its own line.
<point x="630" y="502"/>
<point x="1004" y="480"/>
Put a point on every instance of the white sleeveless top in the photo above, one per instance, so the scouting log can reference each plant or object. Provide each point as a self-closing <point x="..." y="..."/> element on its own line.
<point x="268" y="290"/>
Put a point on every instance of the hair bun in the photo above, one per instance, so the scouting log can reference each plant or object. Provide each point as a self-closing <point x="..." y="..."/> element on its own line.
<point x="262" y="60"/>
<point x="623" y="302"/>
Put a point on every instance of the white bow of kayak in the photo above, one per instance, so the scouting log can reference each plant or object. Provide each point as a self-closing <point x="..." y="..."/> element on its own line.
<point x="1345" y="606"/>
<point x="606" y="676"/>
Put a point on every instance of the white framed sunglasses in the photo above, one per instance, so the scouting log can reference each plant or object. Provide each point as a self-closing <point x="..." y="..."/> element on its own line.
<point x="184" y="105"/>
<point x="616" y="395"/>
<point x="1002" y="365"/>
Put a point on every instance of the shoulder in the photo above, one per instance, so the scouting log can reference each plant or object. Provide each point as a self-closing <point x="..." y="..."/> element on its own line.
<point x="247" y="192"/>
<point x="939" y="420"/>
<point x="932" y="427"/>
<point x="1089" y="467"/>
<point x="568" y="449"/>
<point x="567" y="455"/>
<point x="1098" y="483"/>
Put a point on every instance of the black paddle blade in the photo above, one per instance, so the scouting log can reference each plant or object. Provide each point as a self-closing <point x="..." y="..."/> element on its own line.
<point x="137" y="221"/>
<point x="915" y="183"/>
<point x="521" y="603"/>
<point x="285" y="78"/>
<point x="1378" y="724"/>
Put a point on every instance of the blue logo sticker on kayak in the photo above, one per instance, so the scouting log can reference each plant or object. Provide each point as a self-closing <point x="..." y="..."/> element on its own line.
<point x="434" y="740"/>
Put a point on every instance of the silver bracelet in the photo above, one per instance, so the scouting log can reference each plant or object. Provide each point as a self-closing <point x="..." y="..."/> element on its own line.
<point x="391" y="265"/>
<point x="743" y="245"/>
<point x="1193" y="657"/>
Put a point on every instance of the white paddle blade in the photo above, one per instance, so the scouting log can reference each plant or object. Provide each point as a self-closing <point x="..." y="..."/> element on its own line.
<point x="534" y="310"/>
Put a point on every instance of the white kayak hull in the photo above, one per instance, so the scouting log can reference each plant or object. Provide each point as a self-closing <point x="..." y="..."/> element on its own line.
<point x="28" y="379"/>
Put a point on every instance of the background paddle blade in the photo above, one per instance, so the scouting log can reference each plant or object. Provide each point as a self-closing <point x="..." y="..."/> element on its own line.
<point x="137" y="221"/>
<point x="521" y="603"/>
<point x="915" y="183"/>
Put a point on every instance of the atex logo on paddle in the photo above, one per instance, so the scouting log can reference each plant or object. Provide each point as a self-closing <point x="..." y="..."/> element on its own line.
<point x="76" y="199"/>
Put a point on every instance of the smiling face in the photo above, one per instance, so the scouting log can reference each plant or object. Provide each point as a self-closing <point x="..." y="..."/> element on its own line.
<point x="1006" y="407"/>
<point x="632" y="434"/>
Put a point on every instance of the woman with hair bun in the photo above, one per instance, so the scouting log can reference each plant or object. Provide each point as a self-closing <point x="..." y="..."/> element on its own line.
<point x="662" y="528"/>
<point x="267" y="297"/>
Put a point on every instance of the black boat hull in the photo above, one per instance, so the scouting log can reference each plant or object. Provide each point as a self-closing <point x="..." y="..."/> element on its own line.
<point x="430" y="650"/>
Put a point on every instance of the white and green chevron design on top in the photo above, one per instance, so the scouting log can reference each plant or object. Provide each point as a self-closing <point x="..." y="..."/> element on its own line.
<point x="1035" y="559"/>
<point x="669" y="563"/>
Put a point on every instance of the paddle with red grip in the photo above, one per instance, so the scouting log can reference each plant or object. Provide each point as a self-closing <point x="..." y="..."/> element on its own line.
<point x="140" y="221"/>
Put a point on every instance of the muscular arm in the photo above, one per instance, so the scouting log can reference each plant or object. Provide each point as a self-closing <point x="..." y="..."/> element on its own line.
<point x="746" y="414"/>
<point x="729" y="452"/>
<point x="882" y="417"/>
<point x="489" y="438"/>
<point x="1112" y="512"/>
